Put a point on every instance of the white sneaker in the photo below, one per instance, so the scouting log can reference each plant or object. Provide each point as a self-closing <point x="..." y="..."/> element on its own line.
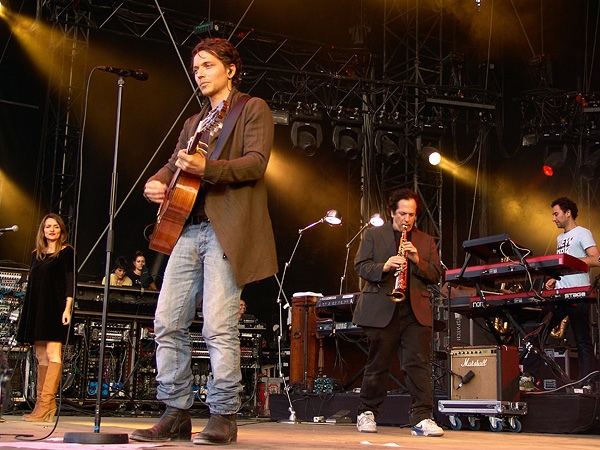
<point x="365" y="422"/>
<point x="426" y="427"/>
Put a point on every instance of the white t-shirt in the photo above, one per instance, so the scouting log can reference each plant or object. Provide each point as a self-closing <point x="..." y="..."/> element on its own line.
<point x="574" y="243"/>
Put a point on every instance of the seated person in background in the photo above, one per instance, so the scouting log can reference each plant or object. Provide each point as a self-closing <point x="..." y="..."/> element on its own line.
<point x="242" y="309"/>
<point x="118" y="277"/>
<point x="140" y="275"/>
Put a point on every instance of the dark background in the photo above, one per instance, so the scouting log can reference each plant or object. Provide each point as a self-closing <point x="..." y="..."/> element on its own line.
<point x="301" y="189"/>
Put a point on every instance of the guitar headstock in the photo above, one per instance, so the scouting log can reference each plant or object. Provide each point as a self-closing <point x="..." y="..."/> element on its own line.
<point x="214" y="117"/>
<point x="210" y="122"/>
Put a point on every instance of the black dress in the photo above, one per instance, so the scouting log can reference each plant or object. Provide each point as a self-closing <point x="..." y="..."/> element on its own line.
<point x="50" y="283"/>
<point x="142" y="281"/>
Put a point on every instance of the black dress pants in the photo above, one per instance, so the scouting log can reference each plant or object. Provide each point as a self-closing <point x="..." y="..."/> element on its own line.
<point x="411" y="340"/>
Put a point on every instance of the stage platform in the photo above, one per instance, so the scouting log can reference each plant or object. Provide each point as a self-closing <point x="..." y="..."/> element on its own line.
<point x="547" y="413"/>
<point x="263" y="434"/>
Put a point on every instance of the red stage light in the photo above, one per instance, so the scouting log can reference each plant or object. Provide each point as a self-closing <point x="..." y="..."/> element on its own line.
<point x="548" y="171"/>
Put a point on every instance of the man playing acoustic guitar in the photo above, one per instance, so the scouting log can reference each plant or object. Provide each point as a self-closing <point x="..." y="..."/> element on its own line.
<point x="226" y="243"/>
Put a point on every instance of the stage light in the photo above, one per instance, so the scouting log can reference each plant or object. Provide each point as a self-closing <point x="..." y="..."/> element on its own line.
<point x="553" y="160"/>
<point x="591" y="163"/>
<point x="280" y="117"/>
<point x="433" y="155"/>
<point x="331" y="217"/>
<point x="388" y="146"/>
<point x="348" y="139"/>
<point x="435" y="158"/>
<point x="376" y="220"/>
<point x="307" y="136"/>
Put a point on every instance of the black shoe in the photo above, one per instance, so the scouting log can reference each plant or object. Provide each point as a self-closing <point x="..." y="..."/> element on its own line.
<point x="175" y="425"/>
<point x="221" y="429"/>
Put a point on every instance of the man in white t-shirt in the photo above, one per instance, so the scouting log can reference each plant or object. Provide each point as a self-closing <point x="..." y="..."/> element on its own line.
<point x="575" y="241"/>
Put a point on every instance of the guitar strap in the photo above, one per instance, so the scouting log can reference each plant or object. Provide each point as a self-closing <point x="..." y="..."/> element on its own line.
<point x="228" y="125"/>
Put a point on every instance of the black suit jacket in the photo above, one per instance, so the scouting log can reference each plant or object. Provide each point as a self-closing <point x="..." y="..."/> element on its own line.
<point x="374" y="307"/>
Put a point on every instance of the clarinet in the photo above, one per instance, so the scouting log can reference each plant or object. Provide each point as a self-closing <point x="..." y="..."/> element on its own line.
<point x="398" y="293"/>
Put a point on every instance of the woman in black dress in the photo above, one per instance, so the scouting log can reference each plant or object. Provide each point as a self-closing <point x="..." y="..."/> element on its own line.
<point x="46" y="310"/>
<point x="139" y="275"/>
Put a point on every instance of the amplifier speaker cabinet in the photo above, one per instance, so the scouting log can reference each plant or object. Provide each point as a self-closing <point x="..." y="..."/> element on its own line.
<point x="495" y="369"/>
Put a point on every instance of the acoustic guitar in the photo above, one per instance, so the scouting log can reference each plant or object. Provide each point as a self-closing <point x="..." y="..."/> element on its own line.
<point x="183" y="190"/>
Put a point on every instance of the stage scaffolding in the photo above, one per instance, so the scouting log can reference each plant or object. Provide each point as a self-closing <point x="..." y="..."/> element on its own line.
<point x="402" y="99"/>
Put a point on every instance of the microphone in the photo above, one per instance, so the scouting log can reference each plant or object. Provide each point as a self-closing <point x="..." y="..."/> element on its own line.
<point x="468" y="377"/>
<point x="13" y="228"/>
<point x="138" y="74"/>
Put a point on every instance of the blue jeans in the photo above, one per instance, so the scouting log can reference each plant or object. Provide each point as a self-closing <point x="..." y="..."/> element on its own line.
<point x="198" y="274"/>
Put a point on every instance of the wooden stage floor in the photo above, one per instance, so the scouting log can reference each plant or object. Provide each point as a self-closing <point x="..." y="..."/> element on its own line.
<point x="267" y="435"/>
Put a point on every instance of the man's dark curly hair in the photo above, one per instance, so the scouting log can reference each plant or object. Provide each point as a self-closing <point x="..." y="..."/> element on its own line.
<point x="225" y="52"/>
<point x="565" y="205"/>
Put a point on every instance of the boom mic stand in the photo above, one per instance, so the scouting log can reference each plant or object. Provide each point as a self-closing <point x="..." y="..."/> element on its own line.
<point x="376" y="221"/>
<point x="333" y="218"/>
<point x="96" y="437"/>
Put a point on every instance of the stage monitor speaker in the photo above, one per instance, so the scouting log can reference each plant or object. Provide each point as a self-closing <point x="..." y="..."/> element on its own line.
<point x="495" y="373"/>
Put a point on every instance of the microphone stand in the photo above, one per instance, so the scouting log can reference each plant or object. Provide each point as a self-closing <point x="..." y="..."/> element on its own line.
<point x="348" y="254"/>
<point x="331" y="214"/>
<point x="286" y="387"/>
<point x="96" y="437"/>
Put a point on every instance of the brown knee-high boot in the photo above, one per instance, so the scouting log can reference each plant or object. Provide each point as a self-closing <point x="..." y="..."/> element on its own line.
<point x="41" y="377"/>
<point x="47" y="401"/>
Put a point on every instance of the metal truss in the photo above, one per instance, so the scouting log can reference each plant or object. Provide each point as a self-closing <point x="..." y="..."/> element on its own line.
<point x="406" y="104"/>
<point x="56" y="187"/>
<point x="554" y="117"/>
<point x="413" y="41"/>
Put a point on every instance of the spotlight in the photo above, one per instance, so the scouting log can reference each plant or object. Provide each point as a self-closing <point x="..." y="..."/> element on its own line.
<point x="553" y="160"/>
<point x="433" y="155"/>
<point x="376" y="220"/>
<point x="348" y="139"/>
<point x="307" y="136"/>
<point x="331" y="217"/>
<point x="388" y="145"/>
<point x="591" y="163"/>
<point x="435" y="158"/>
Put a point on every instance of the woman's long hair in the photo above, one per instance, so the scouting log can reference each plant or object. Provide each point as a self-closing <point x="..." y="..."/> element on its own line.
<point x="41" y="244"/>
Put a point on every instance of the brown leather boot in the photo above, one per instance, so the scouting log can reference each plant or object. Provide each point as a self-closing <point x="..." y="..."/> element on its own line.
<point x="39" y="385"/>
<point x="47" y="401"/>
<point x="221" y="429"/>
<point x="175" y="425"/>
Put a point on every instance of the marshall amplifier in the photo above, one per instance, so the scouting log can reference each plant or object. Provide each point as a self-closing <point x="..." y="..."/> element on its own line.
<point x="484" y="373"/>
